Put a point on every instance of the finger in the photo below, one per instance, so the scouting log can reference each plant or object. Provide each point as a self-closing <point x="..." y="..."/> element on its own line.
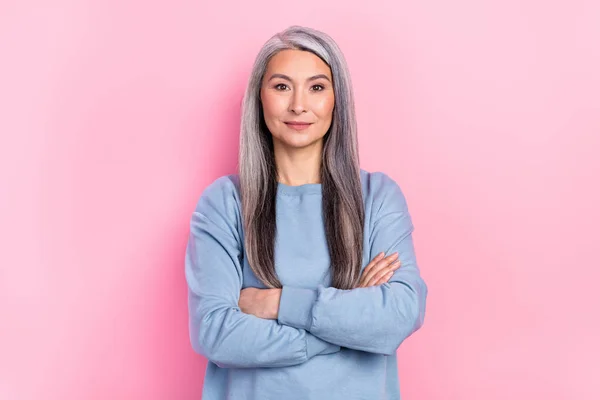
<point x="374" y="261"/>
<point x="379" y="266"/>
<point x="385" y="278"/>
<point x="369" y="266"/>
<point x="388" y="275"/>
<point x="382" y="274"/>
<point x="382" y="279"/>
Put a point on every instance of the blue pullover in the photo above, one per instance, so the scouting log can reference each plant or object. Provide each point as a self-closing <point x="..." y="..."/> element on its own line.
<point x="327" y="343"/>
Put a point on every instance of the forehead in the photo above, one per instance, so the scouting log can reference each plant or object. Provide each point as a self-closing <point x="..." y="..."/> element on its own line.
<point x="297" y="63"/>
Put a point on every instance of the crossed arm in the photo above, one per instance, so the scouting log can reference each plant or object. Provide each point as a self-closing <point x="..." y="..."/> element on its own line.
<point x="296" y="324"/>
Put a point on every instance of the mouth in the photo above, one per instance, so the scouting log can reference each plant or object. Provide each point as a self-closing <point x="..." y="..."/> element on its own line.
<point x="298" y="125"/>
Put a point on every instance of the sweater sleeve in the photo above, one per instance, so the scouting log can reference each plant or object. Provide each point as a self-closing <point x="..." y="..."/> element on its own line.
<point x="218" y="329"/>
<point x="374" y="319"/>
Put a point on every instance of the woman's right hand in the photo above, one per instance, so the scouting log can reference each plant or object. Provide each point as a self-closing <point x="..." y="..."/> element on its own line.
<point x="379" y="270"/>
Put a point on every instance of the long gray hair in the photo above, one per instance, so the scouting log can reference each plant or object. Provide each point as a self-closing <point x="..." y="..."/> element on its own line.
<point x="342" y="201"/>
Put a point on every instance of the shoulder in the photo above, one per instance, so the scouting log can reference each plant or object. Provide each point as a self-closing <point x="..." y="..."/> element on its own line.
<point x="382" y="191"/>
<point x="220" y="200"/>
<point x="221" y="189"/>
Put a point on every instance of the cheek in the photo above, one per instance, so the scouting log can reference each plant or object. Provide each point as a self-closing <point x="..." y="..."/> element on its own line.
<point x="324" y="107"/>
<point x="273" y="106"/>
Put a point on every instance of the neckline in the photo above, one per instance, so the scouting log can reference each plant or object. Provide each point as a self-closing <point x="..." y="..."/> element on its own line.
<point x="306" y="188"/>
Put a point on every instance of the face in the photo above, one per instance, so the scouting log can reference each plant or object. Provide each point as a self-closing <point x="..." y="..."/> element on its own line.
<point x="297" y="88"/>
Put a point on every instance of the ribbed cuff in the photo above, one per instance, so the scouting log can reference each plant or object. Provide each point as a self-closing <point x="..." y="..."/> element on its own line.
<point x="295" y="307"/>
<point x="315" y="346"/>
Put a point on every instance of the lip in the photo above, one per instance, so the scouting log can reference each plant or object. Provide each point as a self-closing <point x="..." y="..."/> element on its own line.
<point x="298" y="125"/>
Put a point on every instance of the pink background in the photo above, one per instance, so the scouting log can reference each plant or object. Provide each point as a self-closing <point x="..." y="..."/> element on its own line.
<point x="116" y="114"/>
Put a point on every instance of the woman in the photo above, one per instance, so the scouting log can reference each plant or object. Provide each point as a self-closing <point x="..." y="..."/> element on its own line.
<point x="290" y="295"/>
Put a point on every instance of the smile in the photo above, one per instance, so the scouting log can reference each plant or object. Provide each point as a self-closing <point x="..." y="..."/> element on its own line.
<point x="298" y="126"/>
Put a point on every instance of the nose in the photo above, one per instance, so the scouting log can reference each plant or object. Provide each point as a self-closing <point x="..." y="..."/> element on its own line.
<point x="297" y="105"/>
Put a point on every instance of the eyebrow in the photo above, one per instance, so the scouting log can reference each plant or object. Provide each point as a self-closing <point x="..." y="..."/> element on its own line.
<point x="287" y="78"/>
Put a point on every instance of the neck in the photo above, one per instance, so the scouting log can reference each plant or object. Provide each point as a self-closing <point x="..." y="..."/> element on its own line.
<point x="298" y="166"/>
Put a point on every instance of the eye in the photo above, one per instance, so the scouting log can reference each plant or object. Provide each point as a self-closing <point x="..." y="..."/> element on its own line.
<point x="321" y="87"/>
<point x="279" y="85"/>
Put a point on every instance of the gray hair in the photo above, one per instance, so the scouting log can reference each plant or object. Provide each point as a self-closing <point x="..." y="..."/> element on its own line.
<point x="343" y="208"/>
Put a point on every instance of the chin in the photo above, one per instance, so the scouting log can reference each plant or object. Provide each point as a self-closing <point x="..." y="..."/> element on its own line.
<point x="297" y="141"/>
<point x="297" y="145"/>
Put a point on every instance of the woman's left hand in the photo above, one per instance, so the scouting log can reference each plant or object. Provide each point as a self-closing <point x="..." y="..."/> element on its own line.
<point x="263" y="303"/>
